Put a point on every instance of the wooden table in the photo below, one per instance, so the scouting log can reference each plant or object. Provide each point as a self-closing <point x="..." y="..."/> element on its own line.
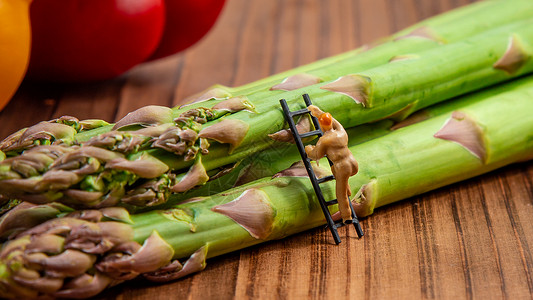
<point x="468" y="240"/>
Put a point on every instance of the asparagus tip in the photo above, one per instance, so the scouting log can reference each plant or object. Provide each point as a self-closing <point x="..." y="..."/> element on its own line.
<point x="92" y="124"/>
<point x="252" y="211"/>
<point x="298" y="169"/>
<point x="175" y="270"/>
<point x="235" y="104"/>
<point x="145" y="166"/>
<point x="154" y="254"/>
<point x="214" y="92"/>
<point x="228" y="131"/>
<point x="146" y="116"/>
<point x="285" y="135"/>
<point x="295" y="82"/>
<point x="25" y="216"/>
<point x="514" y="57"/>
<point x="422" y="32"/>
<point x="402" y="113"/>
<point x="357" y="87"/>
<point x="403" y="57"/>
<point x="84" y="286"/>
<point x="47" y="131"/>
<point x="417" y="117"/>
<point x="196" y="175"/>
<point x="463" y="130"/>
<point x="117" y="214"/>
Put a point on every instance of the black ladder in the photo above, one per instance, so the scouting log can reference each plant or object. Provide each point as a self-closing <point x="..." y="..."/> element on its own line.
<point x="307" y="162"/>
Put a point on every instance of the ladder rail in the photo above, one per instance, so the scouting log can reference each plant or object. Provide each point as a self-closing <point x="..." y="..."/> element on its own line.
<point x="310" y="171"/>
<point x="356" y="224"/>
<point x="307" y="101"/>
<point x="288" y="115"/>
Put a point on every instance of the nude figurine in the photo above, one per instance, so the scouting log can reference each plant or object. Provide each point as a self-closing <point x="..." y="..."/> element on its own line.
<point x="334" y="144"/>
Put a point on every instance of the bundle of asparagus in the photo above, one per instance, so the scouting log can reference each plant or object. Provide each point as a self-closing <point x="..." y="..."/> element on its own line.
<point x="82" y="253"/>
<point x="156" y="154"/>
<point x="156" y="151"/>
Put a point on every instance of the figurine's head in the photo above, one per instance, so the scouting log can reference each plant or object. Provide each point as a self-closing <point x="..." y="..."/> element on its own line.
<point x="326" y="121"/>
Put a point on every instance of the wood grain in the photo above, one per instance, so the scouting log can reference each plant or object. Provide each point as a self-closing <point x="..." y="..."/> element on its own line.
<point x="471" y="240"/>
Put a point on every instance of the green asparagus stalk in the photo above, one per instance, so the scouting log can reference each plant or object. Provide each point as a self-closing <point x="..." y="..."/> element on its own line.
<point x="84" y="252"/>
<point x="90" y="176"/>
<point x="449" y="27"/>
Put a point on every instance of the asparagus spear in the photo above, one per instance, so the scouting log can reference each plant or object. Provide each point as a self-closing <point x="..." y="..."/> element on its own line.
<point x="81" y="254"/>
<point x="449" y="27"/>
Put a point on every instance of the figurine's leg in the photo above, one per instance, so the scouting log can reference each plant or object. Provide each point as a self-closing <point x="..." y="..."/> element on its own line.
<point x="348" y="192"/>
<point x="342" y="197"/>
<point x="354" y="166"/>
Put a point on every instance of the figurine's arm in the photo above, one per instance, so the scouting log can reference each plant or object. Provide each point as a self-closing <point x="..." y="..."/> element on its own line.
<point x="315" y="111"/>
<point x="316" y="152"/>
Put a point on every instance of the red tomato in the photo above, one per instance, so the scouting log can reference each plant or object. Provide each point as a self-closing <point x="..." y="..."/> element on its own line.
<point x="187" y="21"/>
<point x="78" y="40"/>
<point x="83" y="40"/>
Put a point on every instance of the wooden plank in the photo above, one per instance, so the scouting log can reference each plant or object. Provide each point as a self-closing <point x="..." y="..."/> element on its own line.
<point x="507" y="235"/>
<point x="438" y="246"/>
<point x="90" y="100"/>
<point x="30" y="105"/>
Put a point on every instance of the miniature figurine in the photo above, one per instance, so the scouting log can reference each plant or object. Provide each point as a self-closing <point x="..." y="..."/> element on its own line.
<point x="334" y="144"/>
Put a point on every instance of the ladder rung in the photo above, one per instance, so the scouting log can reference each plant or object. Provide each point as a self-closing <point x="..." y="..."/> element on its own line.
<point x="326" y="178"/>
<point x="338" y="224"/>
<point x="331" y="202"/>
<point x="298" y="112"/>
<point x="310" y="133"/>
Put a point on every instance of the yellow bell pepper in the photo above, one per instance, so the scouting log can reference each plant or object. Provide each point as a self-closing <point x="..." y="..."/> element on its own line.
<point x="15" y="38"/>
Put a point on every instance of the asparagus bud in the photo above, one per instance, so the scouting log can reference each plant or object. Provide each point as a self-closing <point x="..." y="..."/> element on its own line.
<point x="108" y="166"/>
<point x="57" y="131"/>
<point x="79" y="255"/>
